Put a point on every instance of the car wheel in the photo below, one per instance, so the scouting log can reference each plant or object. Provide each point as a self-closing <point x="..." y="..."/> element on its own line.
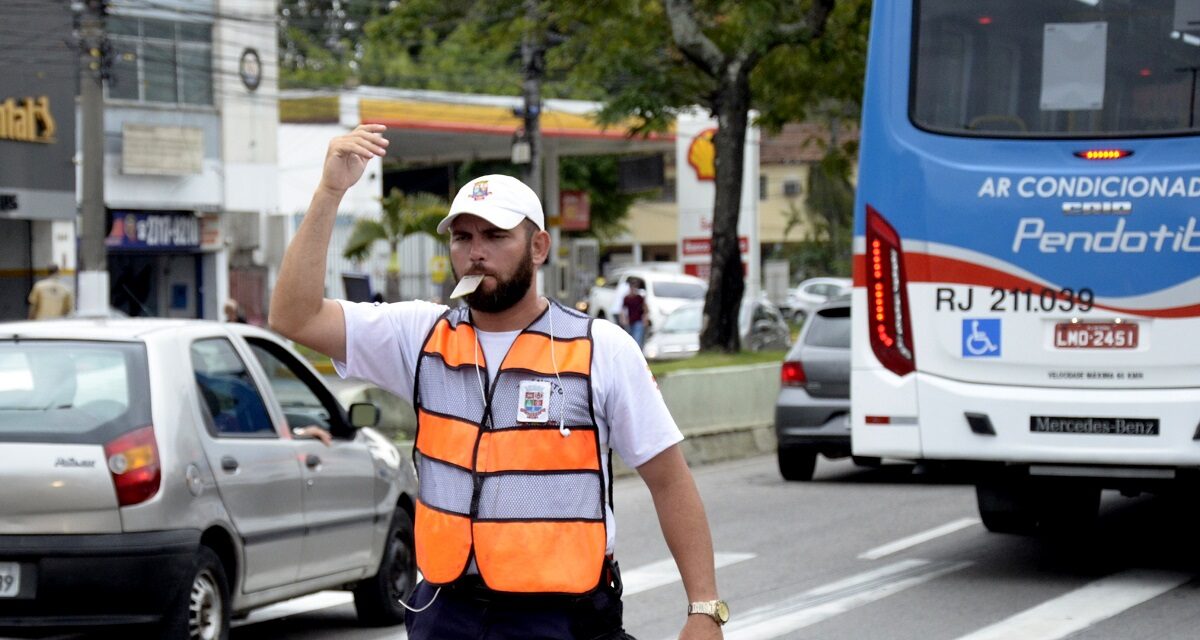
<point x="1006" y="508"/>
<point x="797" y="463"/>
<point x="201" y="612"/>
<point x="378" y="598"/>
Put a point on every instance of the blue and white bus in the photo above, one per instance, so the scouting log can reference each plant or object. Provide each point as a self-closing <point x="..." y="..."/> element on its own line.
<point x="1027" y="248"/>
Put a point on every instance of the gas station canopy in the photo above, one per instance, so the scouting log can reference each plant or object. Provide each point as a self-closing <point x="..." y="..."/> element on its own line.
<point x="435" y="127"/>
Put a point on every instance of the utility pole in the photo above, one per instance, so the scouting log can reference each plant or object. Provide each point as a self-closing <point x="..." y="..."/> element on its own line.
<point x="93" y="260"/>
<point x="533" y="62"/>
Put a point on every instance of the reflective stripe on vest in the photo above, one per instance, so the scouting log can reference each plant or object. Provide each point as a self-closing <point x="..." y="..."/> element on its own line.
<point x="526" y="502"/>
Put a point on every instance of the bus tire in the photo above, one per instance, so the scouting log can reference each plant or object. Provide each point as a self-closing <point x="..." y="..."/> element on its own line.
<point x="1006" y="508"/>
<point x="1064" y="509"/>
<point x="378" y="599"/>
<point x="797" y="463"/>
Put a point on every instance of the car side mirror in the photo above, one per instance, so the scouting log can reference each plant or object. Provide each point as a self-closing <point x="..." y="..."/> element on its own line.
<point x="363" y="414"/>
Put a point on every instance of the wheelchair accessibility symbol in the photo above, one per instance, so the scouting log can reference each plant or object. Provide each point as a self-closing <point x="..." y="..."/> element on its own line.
<point x="981" y="338"/>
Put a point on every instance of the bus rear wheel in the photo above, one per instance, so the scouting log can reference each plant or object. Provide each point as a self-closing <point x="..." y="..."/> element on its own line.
<point x="1006" y="508"/>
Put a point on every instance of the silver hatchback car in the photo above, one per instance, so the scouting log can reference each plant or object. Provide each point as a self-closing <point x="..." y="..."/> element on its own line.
<point x="813" y="409"/>
<point x="154" y="471"/>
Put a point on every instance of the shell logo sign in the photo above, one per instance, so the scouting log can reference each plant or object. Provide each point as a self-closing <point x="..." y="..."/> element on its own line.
<point x="702" y="155"/>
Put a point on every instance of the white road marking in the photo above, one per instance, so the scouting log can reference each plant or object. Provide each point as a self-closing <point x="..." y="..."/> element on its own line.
<point x="1083" y="607"/>
<point x="916" y="539"/>
<point x="835" y="598"/>
<point x="664" y="572"/>
<point x="314" y="602"/>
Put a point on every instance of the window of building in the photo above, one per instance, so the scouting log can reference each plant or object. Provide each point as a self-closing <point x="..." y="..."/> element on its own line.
<point x="764" y="190"/>
<point x="160" y="60"/>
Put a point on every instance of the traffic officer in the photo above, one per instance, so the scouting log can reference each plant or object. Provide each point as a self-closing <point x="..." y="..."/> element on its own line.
<point x="519" y="403"/>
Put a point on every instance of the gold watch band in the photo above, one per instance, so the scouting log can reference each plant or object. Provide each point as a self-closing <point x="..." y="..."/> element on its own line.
<point x="715" y="609"/>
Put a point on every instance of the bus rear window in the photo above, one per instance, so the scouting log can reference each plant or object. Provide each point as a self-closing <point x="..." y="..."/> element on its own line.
<point x="1054" y="68"/>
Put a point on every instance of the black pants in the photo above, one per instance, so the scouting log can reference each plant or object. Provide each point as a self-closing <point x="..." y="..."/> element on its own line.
<point x="468" y="611"/>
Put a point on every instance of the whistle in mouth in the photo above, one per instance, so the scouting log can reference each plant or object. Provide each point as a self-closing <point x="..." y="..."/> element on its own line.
<point x="465" y="286"/>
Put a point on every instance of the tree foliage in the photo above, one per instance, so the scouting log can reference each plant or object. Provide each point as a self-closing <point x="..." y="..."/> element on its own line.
<point x="402" y="216"/>
<point x="787" y="60"/>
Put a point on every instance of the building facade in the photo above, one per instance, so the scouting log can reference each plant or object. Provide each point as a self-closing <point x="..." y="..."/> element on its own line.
<point x="37" y="150"/>
<point x="190" y="117"/>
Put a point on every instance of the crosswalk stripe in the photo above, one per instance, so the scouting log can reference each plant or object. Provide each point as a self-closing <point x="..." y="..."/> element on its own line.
<point x="918" y="538"/>
<point x="1083" y="607"/>
<point x="664" y="572"/>
<point x="835" y="598"/>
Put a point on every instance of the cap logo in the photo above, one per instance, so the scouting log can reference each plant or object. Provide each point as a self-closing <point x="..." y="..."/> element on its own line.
<point x="480" y="190"/>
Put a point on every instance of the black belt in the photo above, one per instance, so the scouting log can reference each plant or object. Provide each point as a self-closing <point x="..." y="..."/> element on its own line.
<point x="472" y="587"/>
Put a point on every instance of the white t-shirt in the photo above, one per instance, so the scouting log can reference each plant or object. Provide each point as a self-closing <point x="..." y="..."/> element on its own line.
<point x="383" y="342"/>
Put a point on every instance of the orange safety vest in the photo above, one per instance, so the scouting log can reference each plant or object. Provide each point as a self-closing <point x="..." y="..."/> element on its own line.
<point x="521" y="498"/>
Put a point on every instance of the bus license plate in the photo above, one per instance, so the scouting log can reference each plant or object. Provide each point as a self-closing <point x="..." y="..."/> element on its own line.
<point x="1096" y="335"/>
<point x="10" y="579"/>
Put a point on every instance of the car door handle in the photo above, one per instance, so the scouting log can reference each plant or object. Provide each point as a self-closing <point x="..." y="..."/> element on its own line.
<point x="229" y="463"/>
<point x="313" y="461"/>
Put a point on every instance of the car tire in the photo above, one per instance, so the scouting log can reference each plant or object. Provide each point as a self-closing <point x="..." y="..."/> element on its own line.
<point x="201" y="610"/>
<point x="797" y="464"/>
<point x="378" y="599"/>
<point x="1007" y="507"/>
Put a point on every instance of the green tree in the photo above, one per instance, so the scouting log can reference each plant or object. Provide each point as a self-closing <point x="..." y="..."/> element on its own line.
<point x="402" y="216"/>
<point x="788" y="60"/>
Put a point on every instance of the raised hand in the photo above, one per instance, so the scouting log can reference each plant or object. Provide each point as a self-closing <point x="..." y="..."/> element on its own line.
<point x="348" y="155"/>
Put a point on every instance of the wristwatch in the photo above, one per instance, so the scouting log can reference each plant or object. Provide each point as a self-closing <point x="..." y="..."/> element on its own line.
<point x="715" y="609"/>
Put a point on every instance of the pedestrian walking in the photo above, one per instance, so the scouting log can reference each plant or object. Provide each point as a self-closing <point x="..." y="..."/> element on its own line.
<point x="50" y="298"/>
<point x="519" y="401"/>
<point x="635" y="311"/>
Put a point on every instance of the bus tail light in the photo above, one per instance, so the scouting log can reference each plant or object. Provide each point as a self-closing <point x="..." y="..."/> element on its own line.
<point x="133" y="463"/>
<point x="887" y="297"/>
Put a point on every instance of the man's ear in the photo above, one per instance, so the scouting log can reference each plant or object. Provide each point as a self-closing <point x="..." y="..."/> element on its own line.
<point x="540" y="247"/>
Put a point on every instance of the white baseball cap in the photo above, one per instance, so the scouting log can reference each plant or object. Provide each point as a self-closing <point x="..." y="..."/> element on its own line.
<point x="501" y="200"/>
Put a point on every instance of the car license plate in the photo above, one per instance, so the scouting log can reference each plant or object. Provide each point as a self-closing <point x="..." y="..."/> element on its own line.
<point x="10" y="579"/>
<point x="1094" y="426"/>
<point x="1096" y="335"/>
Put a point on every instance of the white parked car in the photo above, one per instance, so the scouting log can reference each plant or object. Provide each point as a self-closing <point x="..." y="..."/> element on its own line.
<point x="664" y="292"/>
<point x="164" y="472"/>
<point x="805" y="297"/>
<point x="761" y="327"/>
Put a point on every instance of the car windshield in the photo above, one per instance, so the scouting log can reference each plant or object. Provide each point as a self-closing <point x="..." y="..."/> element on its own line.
<point x="684" y="290"/>
<point x="71" y="391"/>
<point x="684" y="320"/>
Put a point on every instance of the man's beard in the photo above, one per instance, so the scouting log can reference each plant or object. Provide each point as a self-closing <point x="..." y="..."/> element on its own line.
<point x="508" y="292"/>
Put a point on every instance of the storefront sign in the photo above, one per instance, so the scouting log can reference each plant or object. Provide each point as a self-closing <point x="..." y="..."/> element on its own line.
<point x="152" y="150"/>
<point x="576" y="211"/>
<point x="27" y="120"/>
<point x="37" y="113"/>
<point x="139" y="230"/>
